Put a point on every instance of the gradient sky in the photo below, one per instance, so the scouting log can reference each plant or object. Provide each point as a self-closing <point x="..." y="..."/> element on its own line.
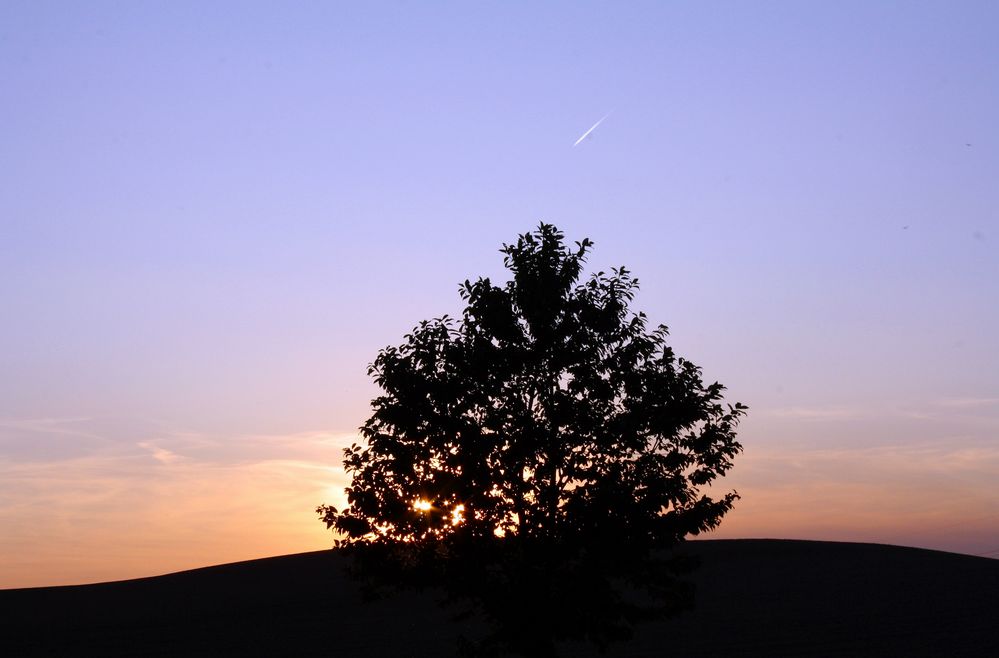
<point x="213" y="215"/>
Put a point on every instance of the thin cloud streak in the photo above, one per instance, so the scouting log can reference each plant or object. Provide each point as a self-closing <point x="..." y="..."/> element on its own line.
<point x="968" y="403"/>
<point x="814" y="413"/>
<point x="59" y="426"/>
<point x="592" y="128"/>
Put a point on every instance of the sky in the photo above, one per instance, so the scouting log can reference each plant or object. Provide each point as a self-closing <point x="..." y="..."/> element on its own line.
<point x="213" y="216"/>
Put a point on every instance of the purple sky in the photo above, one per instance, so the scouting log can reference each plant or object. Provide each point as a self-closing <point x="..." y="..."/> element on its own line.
<point x="212" y="216"/>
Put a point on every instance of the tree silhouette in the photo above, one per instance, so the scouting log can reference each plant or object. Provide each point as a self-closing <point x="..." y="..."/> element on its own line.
<point x="540" y="456"/>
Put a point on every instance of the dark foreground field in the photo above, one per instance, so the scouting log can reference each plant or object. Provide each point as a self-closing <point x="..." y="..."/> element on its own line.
<point x="755" y="598"/>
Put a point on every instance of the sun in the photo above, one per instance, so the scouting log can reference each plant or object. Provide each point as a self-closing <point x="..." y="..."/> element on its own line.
<point x="457" y="511"/>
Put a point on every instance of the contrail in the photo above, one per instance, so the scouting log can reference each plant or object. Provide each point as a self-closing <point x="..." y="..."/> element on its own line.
<point x="592" y="128"/>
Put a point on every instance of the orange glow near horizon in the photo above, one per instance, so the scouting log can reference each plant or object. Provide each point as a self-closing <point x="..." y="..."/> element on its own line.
<point x="113" y="518"/>
<point x="116" y="517"/>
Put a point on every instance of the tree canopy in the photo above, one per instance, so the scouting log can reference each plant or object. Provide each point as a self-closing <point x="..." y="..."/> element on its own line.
<point x="540" y="455"/>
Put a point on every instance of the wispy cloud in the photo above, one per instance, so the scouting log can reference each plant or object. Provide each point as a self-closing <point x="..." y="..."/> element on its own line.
<point x="968" y="403"/>
<point x="162" y="455"/>
<point x="60" y="426"/>
<point x="164" y="504"/>
<point x="814" y="413"/>
<point x="922" y="419"/>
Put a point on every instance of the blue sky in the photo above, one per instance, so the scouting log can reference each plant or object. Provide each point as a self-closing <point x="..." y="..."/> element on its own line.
<point x="212" y="216"/>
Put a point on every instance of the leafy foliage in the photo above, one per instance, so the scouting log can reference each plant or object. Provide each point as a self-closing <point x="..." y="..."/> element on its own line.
<point x="539" y="456"/>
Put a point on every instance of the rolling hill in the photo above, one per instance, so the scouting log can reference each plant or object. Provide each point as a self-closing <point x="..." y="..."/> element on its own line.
<point x="755" y="598"/>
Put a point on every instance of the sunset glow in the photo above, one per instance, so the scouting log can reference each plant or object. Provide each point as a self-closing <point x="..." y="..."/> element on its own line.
<point x="217" y="214"/>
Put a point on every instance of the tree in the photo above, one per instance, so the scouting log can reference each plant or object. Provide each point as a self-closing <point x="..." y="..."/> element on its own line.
<point x="539" y="457"/>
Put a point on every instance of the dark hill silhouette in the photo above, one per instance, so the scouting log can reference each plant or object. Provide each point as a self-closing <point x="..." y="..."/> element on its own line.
<point x="755" y="598"/>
